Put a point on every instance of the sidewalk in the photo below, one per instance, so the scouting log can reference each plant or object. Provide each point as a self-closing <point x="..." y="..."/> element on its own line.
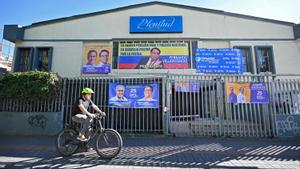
<point x="156" y="152"/>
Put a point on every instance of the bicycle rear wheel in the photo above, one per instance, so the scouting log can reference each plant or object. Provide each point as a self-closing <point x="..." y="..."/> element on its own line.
<point x="109" y="144"/>
<point x="65" y="142"/>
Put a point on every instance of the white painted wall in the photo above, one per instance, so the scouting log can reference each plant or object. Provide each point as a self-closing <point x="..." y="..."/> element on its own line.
<point x="213" y="44"/>
<point x="286" y="54"/>
<point x="196" y="24"/>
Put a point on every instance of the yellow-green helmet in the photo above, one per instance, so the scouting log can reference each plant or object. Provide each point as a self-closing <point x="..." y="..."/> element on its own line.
<point x="87" y="90"/>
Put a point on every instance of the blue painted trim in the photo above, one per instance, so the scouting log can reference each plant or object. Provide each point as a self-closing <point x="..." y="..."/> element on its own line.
<point x="272" y="59"/>
<point x="36" y="57"/>
<point x="296" y="29"/>
<point x="250" y="63"/>
<point x="50" y="56"/>
<point x="31" y="58"/>
<point x="18" y="58"/>
<point x="13" y="33"/>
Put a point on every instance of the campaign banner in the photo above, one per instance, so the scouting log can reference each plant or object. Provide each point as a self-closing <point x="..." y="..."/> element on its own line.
<point x="97" y="58"/>
<point x="219" y="61"/>
<point x="255" y="92"/>
<point x="187" y="85"/>
<point x="133" y="96"/>
<point x="155" y="24"/>
<point x="154" y="56"/>
<point x="259" y="93"/>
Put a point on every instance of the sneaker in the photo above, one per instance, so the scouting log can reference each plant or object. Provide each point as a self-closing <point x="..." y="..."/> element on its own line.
<point x="81" y="138"/>
<point x="88" y="149"/>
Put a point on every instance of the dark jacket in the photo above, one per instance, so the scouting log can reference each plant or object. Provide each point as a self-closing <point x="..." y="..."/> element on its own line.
<point x="143" y="62"/>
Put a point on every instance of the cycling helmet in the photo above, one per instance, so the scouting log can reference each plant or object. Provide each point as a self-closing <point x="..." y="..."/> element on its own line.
<point x="87" y="91"/>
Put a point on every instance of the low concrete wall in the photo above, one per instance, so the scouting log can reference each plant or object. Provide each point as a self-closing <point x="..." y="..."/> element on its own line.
<point x="30" y="123"/>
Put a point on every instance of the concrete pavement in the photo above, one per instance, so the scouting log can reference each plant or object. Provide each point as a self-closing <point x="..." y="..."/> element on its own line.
<point x="152" y="151"/>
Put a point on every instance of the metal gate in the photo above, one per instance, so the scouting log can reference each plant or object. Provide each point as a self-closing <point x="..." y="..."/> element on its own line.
<point x="205" y="111"/>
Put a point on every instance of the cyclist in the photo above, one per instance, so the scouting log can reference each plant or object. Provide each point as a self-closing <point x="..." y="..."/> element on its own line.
<point x="81" y="113"/>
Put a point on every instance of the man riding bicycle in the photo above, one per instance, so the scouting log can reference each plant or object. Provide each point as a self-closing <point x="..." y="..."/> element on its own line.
<point x="81" y="113"/>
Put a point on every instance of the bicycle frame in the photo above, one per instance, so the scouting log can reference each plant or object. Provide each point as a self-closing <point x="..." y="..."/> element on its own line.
<point x="95" y="132"/>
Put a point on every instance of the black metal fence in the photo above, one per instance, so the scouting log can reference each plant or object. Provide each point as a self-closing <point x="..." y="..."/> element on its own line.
<point x="204" y="112"/>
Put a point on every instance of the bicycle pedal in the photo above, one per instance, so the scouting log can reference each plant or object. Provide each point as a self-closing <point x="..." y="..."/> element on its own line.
<point x="82" y="140"/>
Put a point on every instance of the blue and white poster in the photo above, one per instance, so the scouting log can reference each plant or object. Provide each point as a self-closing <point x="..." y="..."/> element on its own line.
<point x="155" y="24"/>
<point x="187" y="85"/>
<point x="133" y="96"/>
<point x="259" y="93"/>
<point x="219" y="61"/>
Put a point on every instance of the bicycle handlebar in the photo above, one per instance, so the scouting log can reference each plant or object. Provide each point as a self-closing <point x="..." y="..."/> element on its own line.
<point x="100" y="115"/>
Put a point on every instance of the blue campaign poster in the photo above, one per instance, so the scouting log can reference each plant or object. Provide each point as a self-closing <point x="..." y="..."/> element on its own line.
<point x="133" y="96"/>
<point x="259" y="93"/>
<point x="219" y="61"/>
<point x="187" y="85"/>
<point x="104" y="69"/>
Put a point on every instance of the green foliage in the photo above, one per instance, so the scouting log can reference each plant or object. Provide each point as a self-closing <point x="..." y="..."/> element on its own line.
<point x="29" y="85"/>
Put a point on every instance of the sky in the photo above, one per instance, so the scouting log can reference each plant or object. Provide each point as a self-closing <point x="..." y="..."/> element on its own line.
<point x="26" y="12"/>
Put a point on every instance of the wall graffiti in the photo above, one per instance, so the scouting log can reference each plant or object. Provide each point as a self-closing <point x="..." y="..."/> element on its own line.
<point x="288" y="125"/>
<point x="38" y="121"/>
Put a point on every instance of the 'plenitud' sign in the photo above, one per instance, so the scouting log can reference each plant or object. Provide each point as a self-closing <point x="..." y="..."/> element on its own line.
<point x="155" y="24"/>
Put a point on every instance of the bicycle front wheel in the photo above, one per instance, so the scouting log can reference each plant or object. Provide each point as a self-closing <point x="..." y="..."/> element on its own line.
<point x="109" y="144"/>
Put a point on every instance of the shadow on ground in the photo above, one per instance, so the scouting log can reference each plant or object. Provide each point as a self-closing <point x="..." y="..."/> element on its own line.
<point x="160" y="152"/>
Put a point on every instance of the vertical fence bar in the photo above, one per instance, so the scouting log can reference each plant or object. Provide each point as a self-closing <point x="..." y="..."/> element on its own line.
<point x="226" y="108"/>
<point x="145" y="115"/>
<point x="207" y="106"/>
<point x="195" y="111"/>
<point x="269" y="107"/>
<point x="160" y="114"/>
<point x="297" y="96"/>
<point x="164" y="97"/>
<point x="204" y="120"/>
<point x="265" y="112"/>
<point x="250" y="115"/>
<point x="63" y="101"/>
<point x="289" y="95"/>
<point x="112" y="113"/>
<point x="179" y="101"/>
<point x="169" y="102"/>
<point x="174" y="103"/>
<point x="273" y="101"/>
<point x="67" y="101"/>
<point x="134" y="118"/>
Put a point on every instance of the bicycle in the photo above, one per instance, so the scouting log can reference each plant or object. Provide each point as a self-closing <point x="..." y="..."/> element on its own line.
<point x="108" y="141"/>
